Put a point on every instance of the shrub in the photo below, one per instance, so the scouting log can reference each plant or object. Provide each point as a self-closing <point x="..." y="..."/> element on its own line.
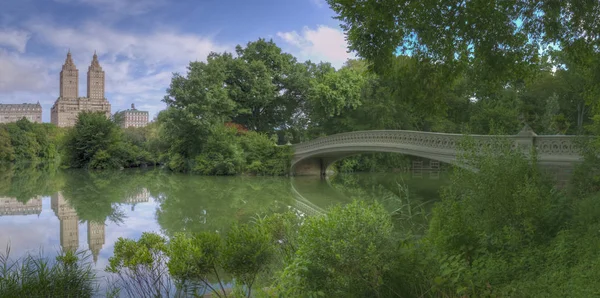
<point x="343" y="254"/>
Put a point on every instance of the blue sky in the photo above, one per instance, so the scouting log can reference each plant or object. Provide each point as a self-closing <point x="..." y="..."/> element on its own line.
<point x="140" y="43"/>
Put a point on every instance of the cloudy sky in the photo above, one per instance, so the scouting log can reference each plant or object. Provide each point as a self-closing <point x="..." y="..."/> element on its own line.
<point x="140" y="43"/>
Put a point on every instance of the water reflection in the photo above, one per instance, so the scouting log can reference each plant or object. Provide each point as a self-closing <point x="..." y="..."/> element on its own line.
<point x="12" y="206"/>
<point x="85" y="210"/>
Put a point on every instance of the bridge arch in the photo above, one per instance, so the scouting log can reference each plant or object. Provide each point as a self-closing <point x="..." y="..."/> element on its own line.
<point x="313" y="157"/>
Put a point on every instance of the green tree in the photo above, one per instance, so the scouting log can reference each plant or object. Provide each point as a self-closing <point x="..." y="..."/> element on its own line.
<point x="6" y="150"/>
<point x="331" y="94"/>
<point x="90" y="139"/>
<point x="499" y="41"/>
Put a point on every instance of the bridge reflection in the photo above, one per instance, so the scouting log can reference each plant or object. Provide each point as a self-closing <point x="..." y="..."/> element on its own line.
<point x="314" y="196"/>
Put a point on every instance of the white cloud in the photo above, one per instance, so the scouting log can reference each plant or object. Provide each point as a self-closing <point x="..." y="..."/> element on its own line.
<point x="15" y="39"/>
<point x="160" y="47"/>
<point x="319" y="3"/>
<point x="138" y="66"/>
<point x="22" y="74"/>
<point x="120" y="7"/>
<point x="322" y="44"/>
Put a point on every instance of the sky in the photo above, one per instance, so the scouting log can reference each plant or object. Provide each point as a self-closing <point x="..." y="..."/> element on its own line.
<point x="141" y="43"/>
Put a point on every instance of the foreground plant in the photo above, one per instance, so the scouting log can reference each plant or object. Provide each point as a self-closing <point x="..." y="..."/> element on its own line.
<point x="140" y="267"/>
<point x="345" y="253"/>
<point x="199" y="262"/>
<point x="70" y="275"/>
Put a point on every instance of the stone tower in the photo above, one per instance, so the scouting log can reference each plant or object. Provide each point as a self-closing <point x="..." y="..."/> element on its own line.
<point x="68" y="105"/>
<point x="69" y="79"/>
<point x="96" y="238"/>
<point x="95" y="80"/>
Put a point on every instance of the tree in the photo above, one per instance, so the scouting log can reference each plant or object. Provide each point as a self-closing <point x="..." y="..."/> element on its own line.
<point x="6" y="150"/>
<point x="333" y="93"/>
<point x="264" y="85"/>
<point x="94" y="140"/>
<point x="498" y="42"/>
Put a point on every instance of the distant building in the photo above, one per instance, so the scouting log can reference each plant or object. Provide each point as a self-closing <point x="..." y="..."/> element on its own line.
<point x="10" y="206"/>
<point x="14" y="112"/>
<point x="68" y="105"/>
<point x="134" y="118"/>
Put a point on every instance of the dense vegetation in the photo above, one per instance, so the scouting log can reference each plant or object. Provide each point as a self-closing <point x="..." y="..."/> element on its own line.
<point x="466" y="67"/>
<point x="502" y="232"/>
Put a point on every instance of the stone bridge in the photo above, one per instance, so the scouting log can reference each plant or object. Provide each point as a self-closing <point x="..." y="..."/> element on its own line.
<point x="315" y="156"/>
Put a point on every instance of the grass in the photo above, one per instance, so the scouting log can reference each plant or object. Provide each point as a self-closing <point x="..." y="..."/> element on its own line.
<point x="68" y="275"/>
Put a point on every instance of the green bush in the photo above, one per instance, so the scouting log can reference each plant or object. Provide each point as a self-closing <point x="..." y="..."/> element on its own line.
<point x="343" y="254"/>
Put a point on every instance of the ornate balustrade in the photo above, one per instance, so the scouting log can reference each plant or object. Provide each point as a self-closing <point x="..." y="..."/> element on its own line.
<point x="552" y="148"/>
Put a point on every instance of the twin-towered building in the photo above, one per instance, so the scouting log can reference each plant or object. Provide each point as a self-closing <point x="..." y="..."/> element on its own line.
<point x="69" y="104"/>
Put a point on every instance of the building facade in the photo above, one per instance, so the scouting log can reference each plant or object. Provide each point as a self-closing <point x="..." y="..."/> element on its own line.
<point x="11" y="206"/>
<point x="134" y="117"/>
<point x="67" y="107"/>
<point x="14" y="112"/>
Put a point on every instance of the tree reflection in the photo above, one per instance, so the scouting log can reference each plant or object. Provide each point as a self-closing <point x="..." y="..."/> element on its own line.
<point x="200" y="203"/>
<point x="408" y="200"/>
<point x="97" y="195"/>
<point x="26" y="181"/>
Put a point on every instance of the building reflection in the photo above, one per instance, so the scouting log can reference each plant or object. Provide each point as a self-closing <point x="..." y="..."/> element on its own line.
<point x="11" y="206"/>
<point x="69" y="227"/>
<point x="141" y="197"/>
<point x="69" y="222"/>
<point x="96" y="237"/>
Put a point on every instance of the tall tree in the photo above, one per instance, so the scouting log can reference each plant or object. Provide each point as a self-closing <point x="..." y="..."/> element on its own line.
<point x="499" y="41"/>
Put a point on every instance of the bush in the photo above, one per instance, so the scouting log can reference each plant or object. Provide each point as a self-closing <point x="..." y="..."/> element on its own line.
<point x="263" y="156"/>
<point x="343" y="254"/>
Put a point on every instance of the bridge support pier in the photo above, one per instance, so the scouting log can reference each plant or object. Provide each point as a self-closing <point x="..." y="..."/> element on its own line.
<point x="312" y="167"/>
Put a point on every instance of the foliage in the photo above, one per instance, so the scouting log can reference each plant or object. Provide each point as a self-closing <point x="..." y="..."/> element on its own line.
<point x="195" y="262"/>
<point x="344" y="253"/>
<point x="7" y="153"/>
<point x="247" y="251"/>
<point x="70" y="275"/>
<point x="97" y="142"/>
<point x="24" y="141"/>
<point x="140" y="266"/>
<point x="498" y="42"/>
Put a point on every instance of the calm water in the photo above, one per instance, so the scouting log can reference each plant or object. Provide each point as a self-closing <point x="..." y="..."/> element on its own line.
<point x="51" y="209"/>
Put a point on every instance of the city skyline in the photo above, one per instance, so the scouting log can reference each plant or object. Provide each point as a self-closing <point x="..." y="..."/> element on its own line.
<point x="140" y="44"/>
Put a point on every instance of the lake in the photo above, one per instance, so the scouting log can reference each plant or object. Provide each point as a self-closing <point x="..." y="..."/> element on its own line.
<point x="50" y="210"/>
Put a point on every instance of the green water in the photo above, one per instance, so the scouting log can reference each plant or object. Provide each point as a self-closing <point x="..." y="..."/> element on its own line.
<point x="51" y="210"/>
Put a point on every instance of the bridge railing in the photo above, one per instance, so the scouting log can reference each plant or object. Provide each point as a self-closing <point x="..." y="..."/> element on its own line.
<point x="548" y="147"/>
<point x="557" y="145"/>
<point x="417" y="138"/>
